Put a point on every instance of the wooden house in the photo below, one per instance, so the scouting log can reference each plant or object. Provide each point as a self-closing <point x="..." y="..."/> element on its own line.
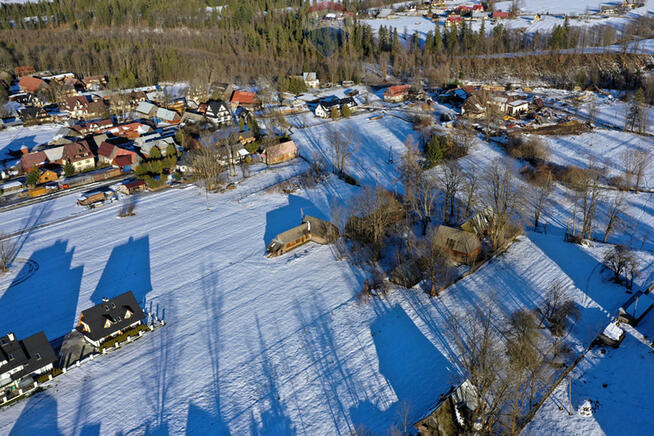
<point x="282" y="152"/>
<point x="462" y="246"/>
<point x="312" y="229"/>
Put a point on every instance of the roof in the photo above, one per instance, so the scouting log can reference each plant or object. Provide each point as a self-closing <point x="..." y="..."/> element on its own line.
<point x="146" y="107"/>
<point x="29" y="160"/>
<point x="109" y="316"/>
<point x="281" y="149"/>
<point x="33" y="353"/>
<point x="243" y="97"/>
<point x="30" y="84"/>
<point x="167" y="115"/>
<point x="216" y="106"/>
<point x="106" y="149"/>
<point x="500" y="14"/>
<point x="456" y="240"/>
<point x="76" y="151"/>
<point x="124" y="160"/>
<point x="54" y="153"/>
<point x="397" y="90"/>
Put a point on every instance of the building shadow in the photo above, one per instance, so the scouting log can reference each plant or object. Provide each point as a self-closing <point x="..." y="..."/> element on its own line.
<point x="413" y="367"/>
<point x="286" y="217"/>
<point x="47" y="300"/>
<point x="39" y="417"/>
<point x="128" y="269"/>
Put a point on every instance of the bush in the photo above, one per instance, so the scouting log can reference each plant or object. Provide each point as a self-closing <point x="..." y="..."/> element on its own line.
<point x="44" y="377"/>
<point x="530" y="149"/>
<point x="110" y="343"/>
<point x="252" y="147"/>
<point x="69" y="169"/>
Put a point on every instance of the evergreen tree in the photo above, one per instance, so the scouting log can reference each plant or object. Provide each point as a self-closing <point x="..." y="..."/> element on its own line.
<point x="69" y="169"/>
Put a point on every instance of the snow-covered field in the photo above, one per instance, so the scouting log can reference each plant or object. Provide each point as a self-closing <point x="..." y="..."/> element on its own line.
<point x="14" y="138"/>
<point x="279" y="346"/>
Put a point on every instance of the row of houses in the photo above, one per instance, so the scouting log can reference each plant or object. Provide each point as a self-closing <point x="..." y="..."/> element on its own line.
<point x="22" y="360"/>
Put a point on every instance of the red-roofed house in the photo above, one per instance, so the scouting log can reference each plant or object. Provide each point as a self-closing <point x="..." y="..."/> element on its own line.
<point x="244" y="98"/>
<point x="79" y="155"/>
<point x="498" y="15"/>
<point x="111" y="154"/>
<point x="453" y="20"/>
<point x="396" y="93"/>
<point x="31" y="160"/>
<point x="82" y="107"/>
<point x="31" y="84"/>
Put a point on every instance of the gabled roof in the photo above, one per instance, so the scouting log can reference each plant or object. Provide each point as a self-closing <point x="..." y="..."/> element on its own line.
<point x="395" y="90"/>
<point x="33" y="353"/>
<point x="216" y="106"/>
<point x="54" y="153"/>
<point x="76" y="151"/>
<point x="145" y="107"/>
<point x="108" y="317"/>
<point x="456" y="240"/>
<point x="30" y="160"/>
<point x="124" y="160"/>
<point x="106" y="149"/>
<point x="243" y="97"/>
<point x="30" y="84"/>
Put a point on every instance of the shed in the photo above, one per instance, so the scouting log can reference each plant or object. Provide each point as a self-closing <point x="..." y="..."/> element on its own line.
<point x="461" y="245"/>
<point x="312" y="229"/>
<point x="635" y="308"/>
<point x="279" y="153"/>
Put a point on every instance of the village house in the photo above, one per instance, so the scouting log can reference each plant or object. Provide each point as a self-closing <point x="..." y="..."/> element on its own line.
<point x="84" y="107"/>
<point x="167" y="117"/>
<point x="453" y="20"/>
<point x="396" y="93"/>
<point x="34" y="115"/>
<point x="132" y="187"/>
<point x="311" y="79"/>
<point x="19" y="360"/>
<point x="94" y="83"/>
<point x="244" y="98"/>
<point x="282" y="152"/>
<point x="110" y="318"/>
<point x="26" y="99"/>
<point x="79" y="155"/>
<point x="499" y="15"/>
<point x="32" y="160"/>
<point x="311" y="229"/>
<point x="325" y="106"/>
<point x="31" y="84"/>
<point x="130" y="130"/>
<point x="635" y="308"/>
<point x="126" y="101"/>
<point x="217" y="112"/>
<point x="54" y="154"/>
<point x="47" y="175"/>
<point x="509" y="105"/>
<point x="146" y="109"/>
<point x="112" y="154"/>
<point x="462" y="246"/>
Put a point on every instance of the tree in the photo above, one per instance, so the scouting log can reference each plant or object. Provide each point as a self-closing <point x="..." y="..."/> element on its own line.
<point x="155" y="153"/>
<point x="335" y="112"/>
<point x="69" y="169"/>
<point x="434" y="262"/>
<point x="542" y="187"/>
<point x="32" y="178"/>
<point x="346" y="111"/>
<point x="450" y="181"/>
<point x="342" y="148"/>
<point x="481" y="356"/>
<point x="643" y="160"/>
<point x="614" y="214"/>
<point x="8" y="252"/>
<point x="208" y="170"/>
<point x="557" y="308"/>
<point x="621" y="260"/>
<point x="423" y="202"/>
<point x="470" y="185"/>
<point x="502" y="198"/>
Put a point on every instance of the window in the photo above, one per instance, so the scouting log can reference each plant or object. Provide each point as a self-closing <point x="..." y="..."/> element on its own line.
<point x="11" y="356"/>
<point x="107" y="324"/>
<point x="450" y="243"/>
<point x="38" y="356"/>
<point x="128" y="314"/>
<point x="3" y="341"/>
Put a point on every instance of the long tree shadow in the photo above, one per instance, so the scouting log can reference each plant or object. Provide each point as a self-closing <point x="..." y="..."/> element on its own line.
<point x="50" y="294"/>
<point x="286" y="217"/>
<point x="39" y="417"/>
<point x="274" y="419"/>
<point x="413" y="367"/>
<point x="128" y="269"/>
<point x="200" y="421"/>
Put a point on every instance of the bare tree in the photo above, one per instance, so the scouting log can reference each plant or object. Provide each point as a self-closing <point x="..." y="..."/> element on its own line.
<point x="470" y="186"/>
<point x="208" y="170"/>
<point x="614" y="214"/>
<point x="542" y="188"/>
<point x="8" y="252"/>
<point x="502" y="198"/>
<point x="483" y="359"/>
<point x="643" y="160"/>
<point x="450" y="180"/>
<point x="587" y="193"/>
<point x="629" y="164"/>
<point x="423" y="201"/>
<point x="621" y="260"/>
<point x="557" y="308"/>
<point x="342" y="148"/>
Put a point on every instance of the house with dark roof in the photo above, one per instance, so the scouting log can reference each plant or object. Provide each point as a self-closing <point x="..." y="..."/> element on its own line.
<point x="217" y="112"/>
<point x="79" y="154"/>
<point x="110" y="318"/>
<point x="34" y="114"/>
<point x="25" y="358"/>
<point x="325" y="106"/>
<point x="84" y="107"/>
<point x="31" y="160"/>
<point x="462" y="246"/>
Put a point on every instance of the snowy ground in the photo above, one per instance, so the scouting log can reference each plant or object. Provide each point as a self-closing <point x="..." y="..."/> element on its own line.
<point x="13" y="138"/>
<point x="273" y="346"/>
<point x="618" y="384"/>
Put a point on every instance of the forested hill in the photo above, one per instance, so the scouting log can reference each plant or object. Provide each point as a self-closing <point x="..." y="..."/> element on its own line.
<point x="138" y="42"/>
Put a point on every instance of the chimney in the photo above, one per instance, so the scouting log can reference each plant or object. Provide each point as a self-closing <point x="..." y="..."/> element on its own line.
<point x="105" y="299"/>
<point x="11" y="337"/>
